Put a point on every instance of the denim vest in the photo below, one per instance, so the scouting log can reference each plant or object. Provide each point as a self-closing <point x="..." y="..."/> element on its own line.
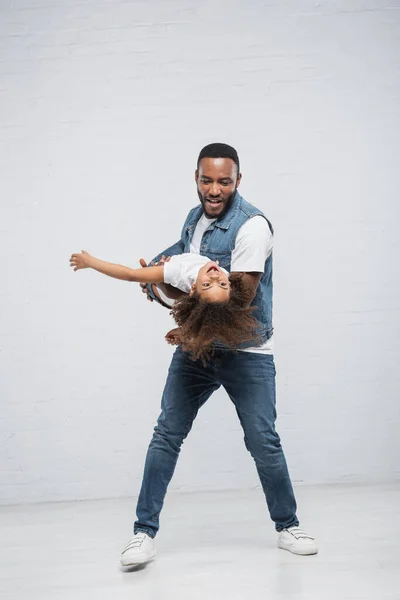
<point x="218" y="242"/>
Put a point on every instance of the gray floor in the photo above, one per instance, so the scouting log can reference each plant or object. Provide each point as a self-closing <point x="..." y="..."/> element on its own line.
<point x="212" y="546"/>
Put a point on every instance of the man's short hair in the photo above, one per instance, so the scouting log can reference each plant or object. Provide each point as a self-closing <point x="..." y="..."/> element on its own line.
<point x="219" y="151"/>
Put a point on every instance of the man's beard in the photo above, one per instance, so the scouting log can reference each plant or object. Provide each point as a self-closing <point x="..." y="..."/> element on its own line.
<point x="224" y="210"/>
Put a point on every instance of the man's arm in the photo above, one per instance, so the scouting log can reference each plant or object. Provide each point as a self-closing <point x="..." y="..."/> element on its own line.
<point x="250" y="283"/>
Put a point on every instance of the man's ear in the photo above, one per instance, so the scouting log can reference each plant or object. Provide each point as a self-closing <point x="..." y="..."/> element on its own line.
<point x="192" y="290"/>
<point x="238" y="180"/>
<point x="196" y="175"/>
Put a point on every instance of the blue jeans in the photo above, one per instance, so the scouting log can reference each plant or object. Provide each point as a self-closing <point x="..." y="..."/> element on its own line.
<point x="249" y="380"/>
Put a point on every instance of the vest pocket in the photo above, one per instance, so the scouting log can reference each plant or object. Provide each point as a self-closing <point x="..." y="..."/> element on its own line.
<point x="223" y="258"/>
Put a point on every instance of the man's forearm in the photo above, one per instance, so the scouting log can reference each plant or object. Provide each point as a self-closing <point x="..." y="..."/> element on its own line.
<point x="250" y="283"/>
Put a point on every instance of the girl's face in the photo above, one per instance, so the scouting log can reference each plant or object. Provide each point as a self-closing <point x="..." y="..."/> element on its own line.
<point x="212" y="284"/>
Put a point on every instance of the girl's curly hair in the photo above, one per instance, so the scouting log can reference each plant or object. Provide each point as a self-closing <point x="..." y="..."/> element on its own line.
<point x="203" y="323"/>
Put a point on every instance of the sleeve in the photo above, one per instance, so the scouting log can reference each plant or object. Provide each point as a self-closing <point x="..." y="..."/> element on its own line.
<point x="254" y="243"/>
<point x="173" y="271"/>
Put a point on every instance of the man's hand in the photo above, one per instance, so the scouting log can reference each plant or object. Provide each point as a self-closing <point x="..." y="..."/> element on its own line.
<point x="80" y="261"/>
<point x="173" y="337"/>
<point x="143" y="263"/>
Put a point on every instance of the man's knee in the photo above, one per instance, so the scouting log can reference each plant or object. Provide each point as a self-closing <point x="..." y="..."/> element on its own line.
<point x="262" y="444"/>
<point x="170" y="433"/>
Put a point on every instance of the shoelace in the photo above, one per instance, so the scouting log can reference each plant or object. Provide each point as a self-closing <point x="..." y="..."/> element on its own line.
<point x="299" y="534"/>
<point x="136" y="541"/>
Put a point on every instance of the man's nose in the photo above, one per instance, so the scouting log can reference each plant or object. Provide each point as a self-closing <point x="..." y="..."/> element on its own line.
<point x="214" y="190"/>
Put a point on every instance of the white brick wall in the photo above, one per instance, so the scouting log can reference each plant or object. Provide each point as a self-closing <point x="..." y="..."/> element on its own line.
<point x="104" y="105"/>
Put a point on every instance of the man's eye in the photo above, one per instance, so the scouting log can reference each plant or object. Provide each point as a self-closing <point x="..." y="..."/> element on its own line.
<point x="206" y="284"/>
<point x="225" y="183"/>
<point x="223" y="284"/>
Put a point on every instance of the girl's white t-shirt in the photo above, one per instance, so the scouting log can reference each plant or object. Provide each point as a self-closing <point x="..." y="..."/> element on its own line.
<point x="181" y="270"/>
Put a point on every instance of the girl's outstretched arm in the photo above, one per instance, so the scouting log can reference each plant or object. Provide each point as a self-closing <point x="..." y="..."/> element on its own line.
<point x="142" y="275"/>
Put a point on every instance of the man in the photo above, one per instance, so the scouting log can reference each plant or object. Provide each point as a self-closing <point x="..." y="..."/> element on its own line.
<point x="226" y="228"/>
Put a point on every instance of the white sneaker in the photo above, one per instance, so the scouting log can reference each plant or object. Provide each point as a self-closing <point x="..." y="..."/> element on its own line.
<point x="297" y="541"/>
<point x="139" y="551"/>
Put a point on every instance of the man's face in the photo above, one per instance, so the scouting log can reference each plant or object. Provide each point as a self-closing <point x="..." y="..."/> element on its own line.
<point x="217" y="180"/>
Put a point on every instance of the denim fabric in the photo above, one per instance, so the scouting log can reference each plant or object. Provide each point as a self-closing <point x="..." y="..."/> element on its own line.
<point x="249" y="380"/>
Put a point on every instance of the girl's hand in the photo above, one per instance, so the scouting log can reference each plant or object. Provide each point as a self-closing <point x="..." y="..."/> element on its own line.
<point x="80" y="261"/>
<point x="173" y="337"/>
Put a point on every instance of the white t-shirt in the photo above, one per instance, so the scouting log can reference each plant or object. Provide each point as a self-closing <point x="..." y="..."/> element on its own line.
<point x="181" y="270"/>
<point x="254" y="243"/>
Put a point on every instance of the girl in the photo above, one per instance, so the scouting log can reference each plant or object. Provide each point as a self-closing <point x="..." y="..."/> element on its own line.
<point x="214" y="304"/>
